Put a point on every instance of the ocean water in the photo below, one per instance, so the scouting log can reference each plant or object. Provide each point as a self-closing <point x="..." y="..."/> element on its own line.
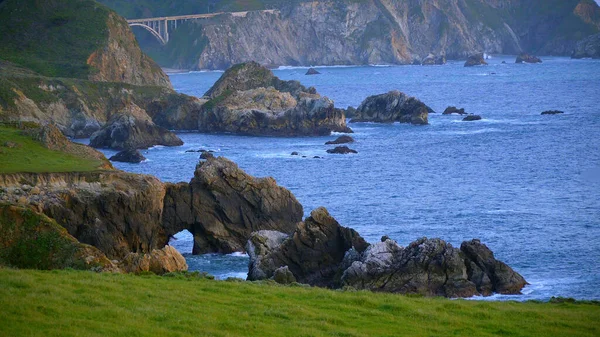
<point x="527" y="185"/>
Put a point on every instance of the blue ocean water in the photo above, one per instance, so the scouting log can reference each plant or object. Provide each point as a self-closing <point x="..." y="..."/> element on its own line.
<point x="527" y="185"/>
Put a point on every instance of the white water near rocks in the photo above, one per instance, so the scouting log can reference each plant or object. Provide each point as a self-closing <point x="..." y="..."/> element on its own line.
<point x="527" y="185"/>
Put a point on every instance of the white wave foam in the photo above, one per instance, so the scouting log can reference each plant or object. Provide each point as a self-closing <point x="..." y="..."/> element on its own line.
<point x="238" y="254"/>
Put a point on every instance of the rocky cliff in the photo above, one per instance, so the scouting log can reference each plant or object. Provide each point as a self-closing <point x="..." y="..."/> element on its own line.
<point x="335" y="32"/>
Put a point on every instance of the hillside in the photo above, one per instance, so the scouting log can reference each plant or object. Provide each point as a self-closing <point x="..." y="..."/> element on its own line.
<point x="362" y="32"/>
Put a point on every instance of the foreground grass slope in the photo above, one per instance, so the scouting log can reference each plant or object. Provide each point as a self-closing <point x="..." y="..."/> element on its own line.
<point x="69" y="303"/>
<point x="20" y="153"/>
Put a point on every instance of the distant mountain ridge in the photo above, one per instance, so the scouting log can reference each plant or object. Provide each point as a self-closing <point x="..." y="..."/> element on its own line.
<point x="336" y="32"/>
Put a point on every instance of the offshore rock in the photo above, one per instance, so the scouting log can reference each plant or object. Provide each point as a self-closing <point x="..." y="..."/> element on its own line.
<point x="248" y="99"/>
<point x="454" y="110"/>
<point x="393" y="106"/>
<point x="132" y="128"/>
<point x="129" y="156"/>
<point x="341" y="150"/>
<point x="431" y="60"/>
<point x="222" y="206"/>
<point x="553" y="112"/>
<point x="472" y="117"/>
<point x="341" y="140"/>
<point x="588" y="48"/>
<point x="313" y="253"/>
<point x="475" y="60"/>
<point x="312" y="71"/>
<point x="526" y="58"/>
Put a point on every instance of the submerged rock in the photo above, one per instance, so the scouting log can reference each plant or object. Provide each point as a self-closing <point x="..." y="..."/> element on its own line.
<point x="526" y="58"/>
<point x="341" y="140"/>
<point x="453" y="110"/>
<point x="312" y="71"/>
<point x="132" y="129"/>
<point x="393" y="106"/>
<point x="249" y="99"/>
<point x="129" y="156"/>
<point x="341" y="150"/>
<point x="552" y="112"/>
<point x="475" y="60"/>
<point x="472" y="117"/>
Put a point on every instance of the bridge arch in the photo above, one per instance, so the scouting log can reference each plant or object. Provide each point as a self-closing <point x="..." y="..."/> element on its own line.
<point x="148" y="28"/>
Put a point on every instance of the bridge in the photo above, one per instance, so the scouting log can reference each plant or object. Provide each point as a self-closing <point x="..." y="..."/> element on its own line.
<point x="160" y="27"/>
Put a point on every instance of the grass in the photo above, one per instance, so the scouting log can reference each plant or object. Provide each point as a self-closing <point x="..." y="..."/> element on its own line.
<point x="76" y="303"/>
<point x="28" y="155"/>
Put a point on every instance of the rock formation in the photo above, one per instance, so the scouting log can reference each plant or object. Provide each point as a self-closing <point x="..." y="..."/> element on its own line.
<point x="341" y="150"/>
<point x="129" y="156"/>
<point x="588" y="48"/>
<point x="341" y="140"/>
<point x="322" y="253"/>
<point x="312" y="71"/>
<point x="392" y="107"/>
<point x="249" y="99"/>
<point x="431" y="60"/>
<point x="472" y="117"/>
<point x="553" y="112"/>
<point x="454" y="110"/>
<point x="132" y="129"/>
<point x="526" y="58"/>
<point x="475" y="60"/>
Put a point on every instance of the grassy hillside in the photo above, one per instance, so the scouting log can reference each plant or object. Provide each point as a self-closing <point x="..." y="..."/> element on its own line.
<point x="65" y="303"/>
<point x="21" y="153"/>
<point x="52" y="37"/>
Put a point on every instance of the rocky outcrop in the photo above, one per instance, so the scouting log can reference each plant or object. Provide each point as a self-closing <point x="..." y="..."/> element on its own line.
<point x="132" y="128"/>
<point x="431" y="60"/>
<point x="129" y="156"/>
<point x="322" y="253"/>
<point x="454" y="110"/>
<point x="587" y="48"/>
<point x="248" y="99"/>
<point x="341" y="150"/>
<point x="222" y="206"/>
<point x="335" y="32"/>
<point x="341" y="140"/>
<point x="526" y="58"/>
<point x="158" y="261"/>
<point x="392" y="107"/>
<point x="471" y="118"/>
<point x="313" y="253"/>
<point x="475" y="60"/>
<point x="312" y="71"/>
<point x="553" y="112"/>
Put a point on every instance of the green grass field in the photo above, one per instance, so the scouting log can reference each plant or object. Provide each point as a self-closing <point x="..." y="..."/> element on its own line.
<point x="28" y="155"/>
<point x="78" y="303"/>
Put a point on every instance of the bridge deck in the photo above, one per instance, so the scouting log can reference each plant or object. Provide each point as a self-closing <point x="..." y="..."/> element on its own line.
<point x="196" y="16"/>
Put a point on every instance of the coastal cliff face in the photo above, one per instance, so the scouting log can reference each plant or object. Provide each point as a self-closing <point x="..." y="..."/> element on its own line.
<point x="337" y="32"/>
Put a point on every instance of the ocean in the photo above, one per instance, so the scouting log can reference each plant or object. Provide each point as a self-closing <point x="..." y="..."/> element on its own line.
<point x="527" y="185"/>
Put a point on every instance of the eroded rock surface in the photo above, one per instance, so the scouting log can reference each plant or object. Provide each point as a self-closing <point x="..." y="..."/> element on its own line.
<point x="475" y="60"/>
<point x="393" y="106"/>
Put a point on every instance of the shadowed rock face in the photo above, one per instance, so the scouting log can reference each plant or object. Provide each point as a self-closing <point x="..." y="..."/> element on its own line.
<point x="249" y="99"/>
<point x="222" y="206"/>
<point x="526" y="58"/>
<point x="322" y="253"/>
<point x="588" y="47"/>
<point x="394" y="106"/>
<point x="475" y="60"/>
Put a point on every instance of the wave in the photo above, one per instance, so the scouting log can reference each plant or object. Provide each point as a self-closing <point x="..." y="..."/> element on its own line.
<point x="238" y="254"/>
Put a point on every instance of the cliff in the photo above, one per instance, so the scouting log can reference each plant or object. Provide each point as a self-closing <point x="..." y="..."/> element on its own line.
<point x="338" y="32"/>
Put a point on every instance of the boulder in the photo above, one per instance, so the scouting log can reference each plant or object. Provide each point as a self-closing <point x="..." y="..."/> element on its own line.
<point x="431" y="60"/>
<point x="552" y="112"/>
<point x="312" y="71"/>
<point x="526" y="58"/>
<point x="313" y="253"/>
<point x="475" y="60"/>
<point x="393" y="106"/>
<point x="132" y="128"/>
<point x="341" y="150"/>
<point x="341" y="140"/>
<point x="129" y="156"/>
<point x="295" y="153"/>
<point x="206" y="155"/>
<point x="453" y="110"/>
<point x="248" y="99"/>
<point x="588" y="48"/>
<point x="472" y="117"/>
<point x="222" y="205"/>
<point x="158" y="261"/>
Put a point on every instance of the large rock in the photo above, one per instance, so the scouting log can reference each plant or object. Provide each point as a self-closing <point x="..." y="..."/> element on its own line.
<point x="392" y="107"/>
<point x="129" y="156"/>
<point x="471" y="118"/>
<point x="588" y="48"/>
<point x="526" y="58"/>
<point x="132" y="129"/>
<point x="432" y="267"/>
<point x="431" y="60"/>
<point x="249" y="99"/>
<point x="158" y="261"/>
<point x="475" y="60"/>
<point x="341" y="140"/>
<point x="454" y="110"/>
<point x="222" y="206"/>
<point x="313" y="253"/>
<point x="341" y="150"/>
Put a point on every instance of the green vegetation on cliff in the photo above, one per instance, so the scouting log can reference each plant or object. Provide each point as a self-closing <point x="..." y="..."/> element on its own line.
<point x="19" y="152"/>
<point x="59" y="303"/>
<point x="53" y="38"/>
